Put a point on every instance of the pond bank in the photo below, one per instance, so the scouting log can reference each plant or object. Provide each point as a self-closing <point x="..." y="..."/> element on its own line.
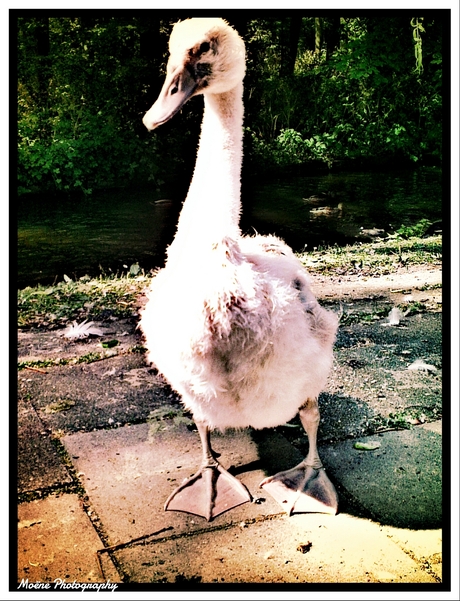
<point x="118" y="295"/>
<point x="109" y="230"/>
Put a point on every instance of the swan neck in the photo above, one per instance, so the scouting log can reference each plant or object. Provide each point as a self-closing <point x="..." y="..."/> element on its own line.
<point x="211" y="211"/>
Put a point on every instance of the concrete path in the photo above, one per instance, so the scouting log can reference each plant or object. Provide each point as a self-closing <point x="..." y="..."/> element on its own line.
<point x="102" y="445"/>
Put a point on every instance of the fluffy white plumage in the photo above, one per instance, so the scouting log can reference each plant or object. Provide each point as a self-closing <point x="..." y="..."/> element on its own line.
<point x="231" y="321"/>
<point x="240" y="337"/>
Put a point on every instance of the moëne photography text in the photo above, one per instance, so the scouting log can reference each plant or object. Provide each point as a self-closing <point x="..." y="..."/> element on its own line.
<point x="62" y="584"/>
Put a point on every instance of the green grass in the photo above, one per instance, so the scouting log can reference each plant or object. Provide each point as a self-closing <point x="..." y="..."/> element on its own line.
<point x="88" y="358"/>
<point x="374" y="258"/>
<point x="55" y="306"/>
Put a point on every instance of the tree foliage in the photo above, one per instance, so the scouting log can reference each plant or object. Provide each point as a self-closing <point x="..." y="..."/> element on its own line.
<point x="321" y="89"/>
<point x="365" y="98"/>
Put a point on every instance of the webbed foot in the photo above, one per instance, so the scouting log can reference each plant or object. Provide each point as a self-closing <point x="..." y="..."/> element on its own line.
<point x="208" y="493"/>
<point x="303" y="489"/>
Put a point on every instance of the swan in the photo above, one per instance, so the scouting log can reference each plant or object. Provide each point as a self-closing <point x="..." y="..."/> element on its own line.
<point x="231" y="321"/>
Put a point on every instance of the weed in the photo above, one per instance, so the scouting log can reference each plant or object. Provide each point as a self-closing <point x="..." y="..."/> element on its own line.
<point x="55" y="306"/>
<point x="43" y="364"/>
<point x="374" y="258"/>
<point x="413" y="308"/>
<point x="413" y="231"/>
<point x="404" y="420"/>
<point x="363" y="317"/>
<point x="89" y="358"/>
<point x="429" y="287"/>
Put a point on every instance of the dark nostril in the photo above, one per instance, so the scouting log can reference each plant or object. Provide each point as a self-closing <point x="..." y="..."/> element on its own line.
<point x="174" y="90"/>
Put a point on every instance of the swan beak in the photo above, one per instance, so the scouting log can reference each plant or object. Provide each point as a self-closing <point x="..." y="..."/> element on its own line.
<point x="179" y="86"/>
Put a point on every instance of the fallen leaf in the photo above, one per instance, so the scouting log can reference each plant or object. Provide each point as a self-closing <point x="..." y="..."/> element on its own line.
<point x="367" y="446"/>
<point x="58" y="406"/>
<point x="110" y="343"/>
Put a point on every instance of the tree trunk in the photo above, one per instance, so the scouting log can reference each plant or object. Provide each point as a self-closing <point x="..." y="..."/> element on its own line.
<point x="332" y="36"/>
<point x="318" y="34"/>
<point x="289" y="46"/>
<point x="42" y="40"/>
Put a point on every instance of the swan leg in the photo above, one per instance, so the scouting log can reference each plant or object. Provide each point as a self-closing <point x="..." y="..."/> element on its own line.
<point x="212" y="490"/>
<point x="306" y="487"/>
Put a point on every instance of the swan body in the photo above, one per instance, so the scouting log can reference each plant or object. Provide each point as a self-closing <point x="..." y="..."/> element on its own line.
<point x="231" y="321"/>
<point x="235" y="346"/>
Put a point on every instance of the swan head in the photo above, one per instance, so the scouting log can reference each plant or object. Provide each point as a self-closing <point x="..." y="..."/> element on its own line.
<point x="207" y="56"/>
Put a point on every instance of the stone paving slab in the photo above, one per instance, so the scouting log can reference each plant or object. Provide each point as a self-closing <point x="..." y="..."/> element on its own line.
<point x="39" y="465"/>
<point x="108" y="393"/>
<point x="57" y="540"/>
<point x="423" y="545"/>
<point x="39" y="346"/>
<point x="304" y="548"/>
<point x="128" y="474"/>
<point x="399" y="483"/>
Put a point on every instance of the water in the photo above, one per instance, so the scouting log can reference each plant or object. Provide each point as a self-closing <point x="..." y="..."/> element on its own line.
<point x="328" y="209"/>
<point x="109" y="230"/>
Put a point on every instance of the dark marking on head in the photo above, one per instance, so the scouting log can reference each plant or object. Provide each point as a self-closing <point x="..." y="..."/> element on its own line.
<point x="297" y="284"/>
<point x="204" y="47"/>
<point x="203" y="69"/>
<point x="199" y="49"/>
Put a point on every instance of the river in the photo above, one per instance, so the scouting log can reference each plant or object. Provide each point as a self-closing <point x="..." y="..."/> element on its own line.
<point x="109" y="230"/>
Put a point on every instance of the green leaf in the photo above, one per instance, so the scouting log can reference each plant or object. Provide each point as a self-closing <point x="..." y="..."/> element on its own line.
<point x="367" y="446"/>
